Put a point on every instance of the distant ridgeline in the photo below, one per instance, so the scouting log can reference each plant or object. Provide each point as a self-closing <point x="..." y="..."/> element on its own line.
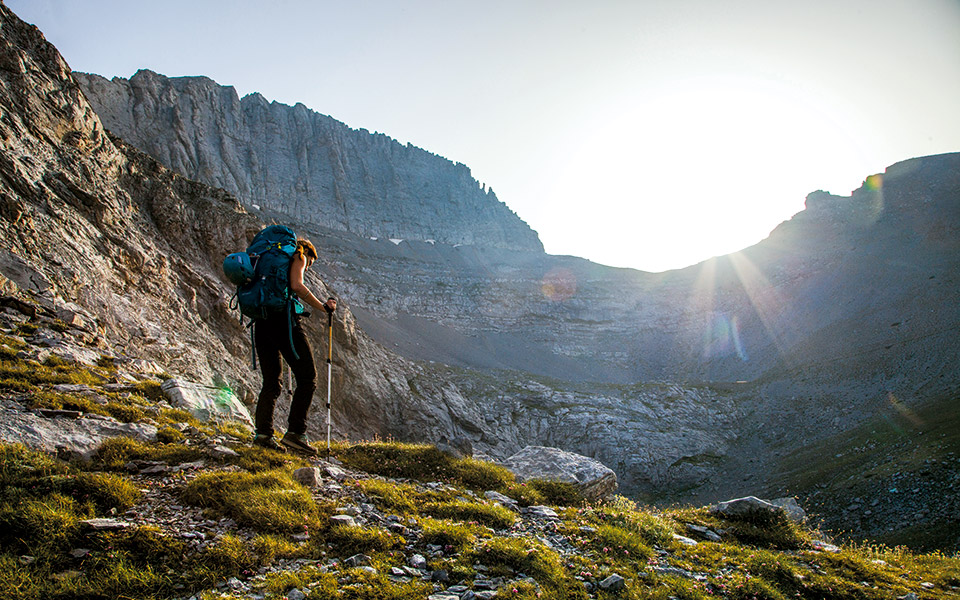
<point x="307" y="165"/>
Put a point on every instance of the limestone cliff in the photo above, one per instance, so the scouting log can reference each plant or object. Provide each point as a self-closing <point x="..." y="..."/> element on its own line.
<point x="307" y="165"/>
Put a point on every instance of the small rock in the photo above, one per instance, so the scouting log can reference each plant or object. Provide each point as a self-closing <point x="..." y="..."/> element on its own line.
<point x="343" y="521"/>
<point x="224" y="452"/>
<point x="358" y="560"/>
<point x="79" y="552"/>
<point x="106" y="524"/>
<point x="440" y="576"/>
<point x="308" y="477"/>
<point x="684" y="540"/>
<point x="417" y="561"/>
<point x="614" y="583"/>
<point x="543" y="512"/>
<point x="824" y="547"/>
<point x="27" y="560"/>
<point x="296" y="594"/>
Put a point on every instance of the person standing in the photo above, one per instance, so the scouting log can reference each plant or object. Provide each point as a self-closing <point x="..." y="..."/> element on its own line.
<point x="280" y="336"/>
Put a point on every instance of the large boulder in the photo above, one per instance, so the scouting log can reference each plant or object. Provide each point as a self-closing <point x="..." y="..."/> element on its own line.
<point x="593" y="479"/>
<point x="206" y="402"/>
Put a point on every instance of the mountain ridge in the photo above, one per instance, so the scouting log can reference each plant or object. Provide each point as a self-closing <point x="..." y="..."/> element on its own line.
<point x="305" y="164"/>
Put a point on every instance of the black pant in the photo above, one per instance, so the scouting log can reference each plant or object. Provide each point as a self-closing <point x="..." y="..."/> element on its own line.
<point x="272" y="339"/>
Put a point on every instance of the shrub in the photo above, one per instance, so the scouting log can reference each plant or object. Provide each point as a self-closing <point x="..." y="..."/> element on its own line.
<point x="391" y="496"/>
<point x="116" y="452"/>
<point x="423" y="463"/>
<point x="270" y="501"/>
<point x="492" y="515"/>
<point x="557" y="493"/>
<point x="524" y="494"/>
<point x="618" y="543"/>
<point x="104" y="490"/>
<point x="347" y="540"/>
<point x="445" y="533"/>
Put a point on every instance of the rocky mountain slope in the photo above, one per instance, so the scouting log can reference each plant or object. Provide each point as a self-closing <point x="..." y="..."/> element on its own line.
<point x="304" y="164"/>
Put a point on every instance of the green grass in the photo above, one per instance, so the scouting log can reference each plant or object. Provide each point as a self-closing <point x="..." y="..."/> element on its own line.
<point x="269" y="502"/>
<point x="446" y="533"/>
<point x="114" y="453"/>
<point x="491" y="515"/>
<point x="422" y="463"/>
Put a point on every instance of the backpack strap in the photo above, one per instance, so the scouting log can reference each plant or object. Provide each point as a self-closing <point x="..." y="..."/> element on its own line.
<point x="253" y="344"/>
<point x="290" y="329"/>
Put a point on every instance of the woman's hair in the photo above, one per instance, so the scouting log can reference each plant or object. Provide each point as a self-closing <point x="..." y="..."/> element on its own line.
<point x="305" y="249"/>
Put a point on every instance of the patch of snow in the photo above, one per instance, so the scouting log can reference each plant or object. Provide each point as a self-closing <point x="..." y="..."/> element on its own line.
<point x="374" y="239"/>
<point x="255" y="206"/>
<point x="395" y="241"/>
<point x="430" y="241"/>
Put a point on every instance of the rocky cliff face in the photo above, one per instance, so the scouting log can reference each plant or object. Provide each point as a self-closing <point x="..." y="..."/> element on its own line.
<point x="306" y="165"/>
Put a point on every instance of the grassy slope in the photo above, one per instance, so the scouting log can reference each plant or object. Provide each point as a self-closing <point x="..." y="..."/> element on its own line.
<point x="905" y="461"/>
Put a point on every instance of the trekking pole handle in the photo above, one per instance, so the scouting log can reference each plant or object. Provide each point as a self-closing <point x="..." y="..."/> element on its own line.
<point x="328" y="308"/>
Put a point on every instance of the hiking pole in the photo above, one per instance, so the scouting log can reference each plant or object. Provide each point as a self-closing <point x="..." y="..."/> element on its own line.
<point x="329" y="366"/>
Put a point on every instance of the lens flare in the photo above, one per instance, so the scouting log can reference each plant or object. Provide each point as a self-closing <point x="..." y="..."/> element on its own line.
<point x="874" y="182"/>
<point x="559" y="284"/>
<point x="722" y="338"/>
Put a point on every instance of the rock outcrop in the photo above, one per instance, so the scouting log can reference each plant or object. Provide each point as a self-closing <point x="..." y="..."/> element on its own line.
<point x="306" y="165"/>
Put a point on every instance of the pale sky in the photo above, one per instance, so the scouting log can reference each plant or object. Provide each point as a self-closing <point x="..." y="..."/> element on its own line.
<point x="645" y="134"/>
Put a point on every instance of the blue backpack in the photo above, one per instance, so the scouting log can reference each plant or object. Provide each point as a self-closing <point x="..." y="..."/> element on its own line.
<point x="262" y="276"/>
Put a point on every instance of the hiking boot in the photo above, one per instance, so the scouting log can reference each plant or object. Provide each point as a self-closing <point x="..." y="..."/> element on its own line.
<point x="267" y="441"/>
<point x="298" y="443"/>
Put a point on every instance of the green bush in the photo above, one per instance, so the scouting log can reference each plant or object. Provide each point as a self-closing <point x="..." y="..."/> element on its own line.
<point x="491" y="515"/>
<point x="271" y="501"/>
<point x="349" y="540"/>
<point x="557" y="493"/>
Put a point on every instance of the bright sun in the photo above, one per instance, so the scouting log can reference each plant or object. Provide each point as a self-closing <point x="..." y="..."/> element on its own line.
<point x="705" y="167"/>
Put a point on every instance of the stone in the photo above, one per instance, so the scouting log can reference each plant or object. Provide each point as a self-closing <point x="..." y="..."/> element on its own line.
<point x="824" y="546"/>
<point x="540" y="512"/>
<point x="792" y="508"/>
<point x="741" y="507"/>
<point x="206" y="402"/>
<point x="594" y="480"/>
<point x="684" y="540"/>
<point x="704" y="532"/>
<point x="296" y="594"/>
<point x="417" y="561"/>
<point x="223" y="452"/>
<point x="358" y="560"/>
<point x="613" y="583"/>
<point x="106" y="524"/>
<point x="502" y="500"/>
<point x="343" y="521"/>
<point x="308" y="477"/>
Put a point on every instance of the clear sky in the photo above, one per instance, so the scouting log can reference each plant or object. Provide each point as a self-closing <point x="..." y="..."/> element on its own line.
<point x="648" y="133"/>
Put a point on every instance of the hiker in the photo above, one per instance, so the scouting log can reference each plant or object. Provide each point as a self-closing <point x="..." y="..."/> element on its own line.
<point x="274" y="335"/>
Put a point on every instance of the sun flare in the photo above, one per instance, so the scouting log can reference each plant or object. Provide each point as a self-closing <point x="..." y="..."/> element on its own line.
<point x="727" y="157"/>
